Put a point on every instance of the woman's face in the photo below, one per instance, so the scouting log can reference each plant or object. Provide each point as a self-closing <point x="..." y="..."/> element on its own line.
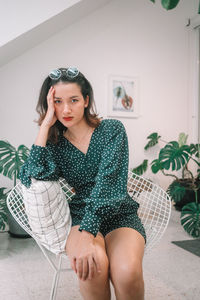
<point x="69" y="103"/>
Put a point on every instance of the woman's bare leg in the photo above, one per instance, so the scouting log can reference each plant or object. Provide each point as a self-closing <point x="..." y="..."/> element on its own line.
<point x="97" y="288"/>
<point x="125" y="249"/>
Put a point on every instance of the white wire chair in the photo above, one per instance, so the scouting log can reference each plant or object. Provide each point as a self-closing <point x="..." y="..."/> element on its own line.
<point x="154" y="212"/>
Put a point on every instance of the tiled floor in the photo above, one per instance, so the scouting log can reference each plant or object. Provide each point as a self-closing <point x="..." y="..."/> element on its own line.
<point x="169" y="271"/>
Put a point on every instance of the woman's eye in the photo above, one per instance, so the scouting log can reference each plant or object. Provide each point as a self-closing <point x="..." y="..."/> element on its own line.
<point x="57" y="101"/>
<point x="74" y="100"/>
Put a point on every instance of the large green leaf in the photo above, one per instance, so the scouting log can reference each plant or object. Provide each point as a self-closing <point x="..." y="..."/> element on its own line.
<point x="174" y="156"/>
<point x="190" y="219"/>
<point x="141" y="169"/>
<point x="11" y="159"/>
<point x="153" y="140"/>
<point x="195" y="150"/>
<point x="169" y="4"/>
<point x="176" y="191"/>
<point x="23" y="153"/>
<point x="156" y="166"/>
<point x="3" y="195"/>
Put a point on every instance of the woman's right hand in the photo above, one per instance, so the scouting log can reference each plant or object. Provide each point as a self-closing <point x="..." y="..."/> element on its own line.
<point x="50" y="117"/>
<point x="85" y="261"/>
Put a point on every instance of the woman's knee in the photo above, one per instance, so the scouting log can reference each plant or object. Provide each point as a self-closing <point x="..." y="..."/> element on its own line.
<point x="99" y="284"/>
<point x="127" y="277"/>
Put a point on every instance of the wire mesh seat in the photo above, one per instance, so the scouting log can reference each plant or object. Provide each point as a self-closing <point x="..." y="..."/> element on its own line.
<point x="154" y="212"/>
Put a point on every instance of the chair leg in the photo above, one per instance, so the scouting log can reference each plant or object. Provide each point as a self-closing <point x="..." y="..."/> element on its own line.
<point x="56" y="280"/>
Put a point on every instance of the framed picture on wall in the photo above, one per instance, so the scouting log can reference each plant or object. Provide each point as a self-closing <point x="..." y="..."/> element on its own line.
<point x="123" y="100"/>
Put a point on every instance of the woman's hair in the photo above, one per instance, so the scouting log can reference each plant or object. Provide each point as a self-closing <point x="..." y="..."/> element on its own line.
<point x="86" y="89"/>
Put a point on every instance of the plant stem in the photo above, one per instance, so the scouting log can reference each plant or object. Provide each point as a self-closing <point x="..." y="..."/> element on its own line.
<point x="196" y="196"/>
<point x="169" y="175"/>
<point x="186" y="168"/>
<point x="183" y="172"/>
<point x="15" y="178"/>
<point x="164" y="141"/>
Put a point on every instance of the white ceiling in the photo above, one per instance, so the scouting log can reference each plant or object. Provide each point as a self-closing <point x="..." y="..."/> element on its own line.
<point x="23" y="27"/>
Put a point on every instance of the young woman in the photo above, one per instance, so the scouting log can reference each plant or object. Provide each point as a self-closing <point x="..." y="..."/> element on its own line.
<point x="107" y="239"/>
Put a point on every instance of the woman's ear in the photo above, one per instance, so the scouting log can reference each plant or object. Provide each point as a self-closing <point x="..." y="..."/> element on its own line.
<point x="86" y="101"/>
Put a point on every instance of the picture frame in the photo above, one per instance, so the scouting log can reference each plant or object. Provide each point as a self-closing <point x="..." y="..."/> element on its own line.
<point x="123" y="97"/>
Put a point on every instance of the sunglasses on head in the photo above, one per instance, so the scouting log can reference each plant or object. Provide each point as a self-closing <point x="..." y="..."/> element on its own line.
<point x="71" y="72"/>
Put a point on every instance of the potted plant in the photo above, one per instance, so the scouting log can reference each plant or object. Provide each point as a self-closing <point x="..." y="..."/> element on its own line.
<point x="176" y="156"/>
<point x="11" y="160"/>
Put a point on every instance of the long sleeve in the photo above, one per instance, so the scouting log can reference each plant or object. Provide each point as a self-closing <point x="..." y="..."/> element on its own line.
<point x="110" y="188"/>
<point x="41" y="164"/>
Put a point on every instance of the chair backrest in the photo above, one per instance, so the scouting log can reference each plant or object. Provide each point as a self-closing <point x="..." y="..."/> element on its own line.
<point x="16" y="207"/>
<point x="155" y="207"/>
<point x="154" y="210"/>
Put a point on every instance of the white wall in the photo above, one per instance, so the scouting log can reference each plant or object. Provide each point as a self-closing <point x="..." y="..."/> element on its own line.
<point x="133" y="38"/>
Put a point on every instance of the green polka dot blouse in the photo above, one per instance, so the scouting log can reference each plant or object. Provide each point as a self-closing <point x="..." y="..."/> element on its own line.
<point x="99" y="177"/>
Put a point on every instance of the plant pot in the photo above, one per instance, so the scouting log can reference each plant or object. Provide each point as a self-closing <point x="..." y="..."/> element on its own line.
<point x="189" y="195"/>
<point x="15" y="230"/>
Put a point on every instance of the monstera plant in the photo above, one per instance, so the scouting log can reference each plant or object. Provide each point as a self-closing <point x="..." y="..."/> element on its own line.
<point x="174" y="158"/>
<point x="11" y="160"/>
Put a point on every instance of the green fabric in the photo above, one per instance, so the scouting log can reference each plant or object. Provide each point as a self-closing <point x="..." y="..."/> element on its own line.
<point x="99" y="176"/>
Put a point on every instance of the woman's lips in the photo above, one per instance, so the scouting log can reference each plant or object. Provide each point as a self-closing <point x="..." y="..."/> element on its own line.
<point x="68" y="118"/>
